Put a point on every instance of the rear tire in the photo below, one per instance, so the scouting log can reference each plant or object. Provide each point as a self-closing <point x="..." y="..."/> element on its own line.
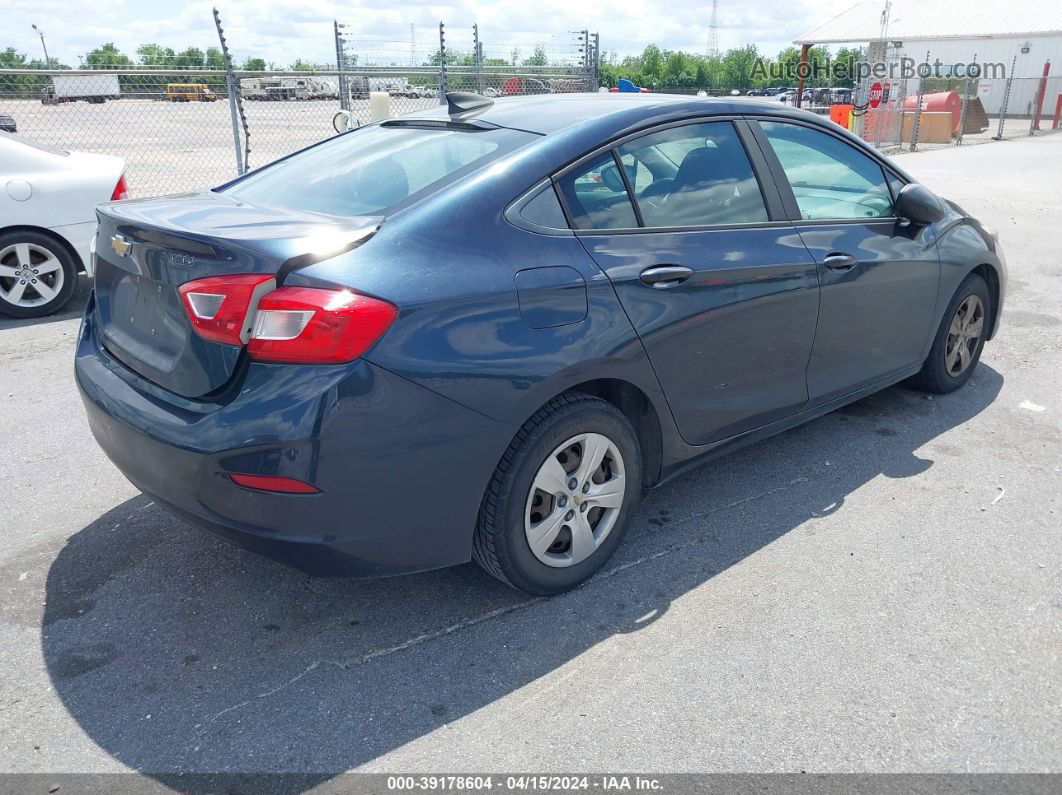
<point x="959" y="341"/>
<point x="531" y="497"/>
<point x="38" y="275"/>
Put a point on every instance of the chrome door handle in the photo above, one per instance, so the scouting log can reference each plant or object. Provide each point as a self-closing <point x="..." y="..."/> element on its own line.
<point x="839" y="261"/>
<point x="661" y="276"/>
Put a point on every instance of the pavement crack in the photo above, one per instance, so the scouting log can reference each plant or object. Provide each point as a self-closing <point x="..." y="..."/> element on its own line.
<point x="272" y="692"/>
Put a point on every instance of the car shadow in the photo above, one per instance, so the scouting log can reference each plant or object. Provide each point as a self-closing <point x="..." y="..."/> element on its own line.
<point x="75" y="308"/>
<point x="181" y="656"/>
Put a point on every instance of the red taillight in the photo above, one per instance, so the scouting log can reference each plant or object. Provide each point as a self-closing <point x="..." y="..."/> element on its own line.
<point x="121" y="190"/>
<point x="290" y="325"/>
<point x="270" y="483"/>
<point x="221" y="307"/>
<point x="307" y="325"/>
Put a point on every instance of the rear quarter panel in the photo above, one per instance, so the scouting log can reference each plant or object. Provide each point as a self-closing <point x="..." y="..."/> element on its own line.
<point x="450" y="265"/>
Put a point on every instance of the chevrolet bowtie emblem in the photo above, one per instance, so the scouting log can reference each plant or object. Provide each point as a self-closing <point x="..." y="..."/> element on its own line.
<point x="120" y="245"/>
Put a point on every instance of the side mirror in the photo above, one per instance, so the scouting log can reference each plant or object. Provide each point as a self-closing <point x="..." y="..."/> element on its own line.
<point x="919" y="205"/>
<point x="343" y="121"/>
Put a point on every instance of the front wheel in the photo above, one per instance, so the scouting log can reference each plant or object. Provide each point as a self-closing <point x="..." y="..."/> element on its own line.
<point x="959" y="341"/>
<point x="560" y="500"/>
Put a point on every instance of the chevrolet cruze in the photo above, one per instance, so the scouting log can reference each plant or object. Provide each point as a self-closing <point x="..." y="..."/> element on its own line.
<point x="479" y="332"/>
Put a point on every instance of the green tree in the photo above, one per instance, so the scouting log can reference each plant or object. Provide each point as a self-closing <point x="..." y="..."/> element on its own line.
<point x="652" y="64"/>
<point x="844" y="65"/>
<point x="215" y="58"/>
<point x="191" y="58"/>
<point x="537" y="58"/>
<point x="154" y="55"/>
<point x="737" y="67"/>
<point x="106" y="57"/>
<point x="254" y="64"/>
<point x="702" y="77"/>
<point x="10" y="58"/>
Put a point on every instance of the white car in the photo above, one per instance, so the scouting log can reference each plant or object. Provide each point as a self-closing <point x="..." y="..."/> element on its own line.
<point x="48" y="221"/>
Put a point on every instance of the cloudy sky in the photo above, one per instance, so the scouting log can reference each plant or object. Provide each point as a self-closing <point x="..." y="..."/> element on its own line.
<point x="282" y="30"/>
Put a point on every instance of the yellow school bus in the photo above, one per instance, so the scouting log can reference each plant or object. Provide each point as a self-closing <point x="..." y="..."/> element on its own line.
<point x="189" y="92"/>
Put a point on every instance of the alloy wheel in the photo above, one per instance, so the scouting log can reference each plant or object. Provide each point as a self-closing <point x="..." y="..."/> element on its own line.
<point x="575" y="500"/>
<point x="963" y="335"/>
<point x="30" y="275"/>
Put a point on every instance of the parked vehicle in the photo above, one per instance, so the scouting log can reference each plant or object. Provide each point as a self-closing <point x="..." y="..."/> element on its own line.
<point x="90" y="87"/>
<point x="190" y="92"/>
<point x="519" y="86"/>
<point x="48" y="221"/>
<point x="464" y="333"/>
<point x="819" y="96"/>
<point x="7" y="123"/>
<point x="287" y="88"/>
<point x="360" y="87"/>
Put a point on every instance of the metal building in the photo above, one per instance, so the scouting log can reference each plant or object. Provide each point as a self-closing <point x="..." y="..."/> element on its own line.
<point x="1019" y="35"/>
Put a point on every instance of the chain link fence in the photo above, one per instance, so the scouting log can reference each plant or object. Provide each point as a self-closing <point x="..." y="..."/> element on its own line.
<point x="181" y="128"/>
<point x="937" y="110"/>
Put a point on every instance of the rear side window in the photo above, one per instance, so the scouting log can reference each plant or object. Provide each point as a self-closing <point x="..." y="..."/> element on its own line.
<point x="373" y="170"/>
<point x="704" y="177"/>
<point x="597" y="197"/>
<point x="830" y="178"/>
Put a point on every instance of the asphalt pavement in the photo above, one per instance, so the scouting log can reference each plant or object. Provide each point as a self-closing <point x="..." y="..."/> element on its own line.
<point x="878" y="590"/>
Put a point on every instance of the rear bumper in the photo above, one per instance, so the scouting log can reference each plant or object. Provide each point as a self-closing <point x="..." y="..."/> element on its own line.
<point x="401" y="469"/>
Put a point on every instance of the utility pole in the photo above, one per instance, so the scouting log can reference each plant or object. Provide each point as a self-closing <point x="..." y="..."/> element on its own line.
<point x="712" y="49"/>
<point x="412" y="45"/>
<point x="341" y="57"/>
<point x="43" y="45"/>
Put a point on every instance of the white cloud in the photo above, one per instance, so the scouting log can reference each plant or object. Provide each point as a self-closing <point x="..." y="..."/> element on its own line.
<point x="283" y="30"/>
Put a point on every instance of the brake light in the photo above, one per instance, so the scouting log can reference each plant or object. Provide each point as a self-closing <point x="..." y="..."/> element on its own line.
<point x="307" y="325"/>
<point x="121" y="190"/>
<point x="221" y="308"/>
<point x="270" y="483"/>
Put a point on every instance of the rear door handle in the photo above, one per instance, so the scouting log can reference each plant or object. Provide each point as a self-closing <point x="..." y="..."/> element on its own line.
<point x="661" y="276"/>
<point x="839" y="261"/>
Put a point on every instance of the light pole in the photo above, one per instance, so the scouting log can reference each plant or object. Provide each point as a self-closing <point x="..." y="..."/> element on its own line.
<point x="45" y="46"/>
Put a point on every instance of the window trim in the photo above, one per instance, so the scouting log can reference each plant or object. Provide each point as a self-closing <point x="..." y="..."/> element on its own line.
<point x="785" y="189"/>
<point x="774" y="204"/>
<point x="513" y="212"/>
<point x="628" y="187"/>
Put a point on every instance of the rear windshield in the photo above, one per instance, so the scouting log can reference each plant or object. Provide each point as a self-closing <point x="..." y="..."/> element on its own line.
<point x="375" y="169"/>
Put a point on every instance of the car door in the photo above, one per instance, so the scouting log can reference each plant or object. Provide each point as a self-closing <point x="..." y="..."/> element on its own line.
<point x="879" y="274"/>
<point x="718" y="285"/>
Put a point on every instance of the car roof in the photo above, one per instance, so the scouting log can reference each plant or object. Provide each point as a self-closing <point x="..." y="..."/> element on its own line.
<point x="550" y="113"/>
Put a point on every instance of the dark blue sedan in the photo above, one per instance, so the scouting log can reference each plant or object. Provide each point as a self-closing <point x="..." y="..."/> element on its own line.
<point x="481" y="331"/>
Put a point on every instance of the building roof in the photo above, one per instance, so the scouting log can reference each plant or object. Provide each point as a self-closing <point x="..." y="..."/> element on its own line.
<point x="914" y="20"/>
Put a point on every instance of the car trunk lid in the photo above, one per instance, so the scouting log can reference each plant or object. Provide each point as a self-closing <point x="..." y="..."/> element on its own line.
<point x="146" y="249"/>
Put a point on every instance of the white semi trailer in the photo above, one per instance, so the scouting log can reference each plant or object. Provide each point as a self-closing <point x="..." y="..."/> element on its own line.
<point x="90" y="87"/>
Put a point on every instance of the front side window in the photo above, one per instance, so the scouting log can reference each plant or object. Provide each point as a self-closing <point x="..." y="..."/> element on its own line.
<point x="831" y="179"/>
<point x="369" y="171"/>
<point x="695" y="175"/>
